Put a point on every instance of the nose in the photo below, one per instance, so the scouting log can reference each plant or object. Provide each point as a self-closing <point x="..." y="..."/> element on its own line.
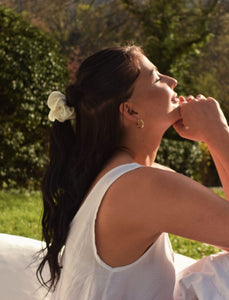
<point x="172" y="82"/>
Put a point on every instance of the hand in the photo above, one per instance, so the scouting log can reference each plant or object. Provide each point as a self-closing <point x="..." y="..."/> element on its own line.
<point x="201" y="118"/>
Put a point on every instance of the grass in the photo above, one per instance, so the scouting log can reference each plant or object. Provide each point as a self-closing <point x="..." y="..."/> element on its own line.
<point x="21" y="215"/>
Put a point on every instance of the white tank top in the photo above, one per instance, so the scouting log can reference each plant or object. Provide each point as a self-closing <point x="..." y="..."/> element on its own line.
<point x="86" y="277"/>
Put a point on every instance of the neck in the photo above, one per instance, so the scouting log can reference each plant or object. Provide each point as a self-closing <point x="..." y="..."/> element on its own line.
<point x="140" y="152"/>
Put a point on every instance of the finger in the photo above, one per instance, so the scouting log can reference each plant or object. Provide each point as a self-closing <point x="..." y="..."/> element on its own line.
<point x="210" y="98"/>
<point x="189" y="98"/>
<point x="182" y="99"/>
<point x="200" y="97"/>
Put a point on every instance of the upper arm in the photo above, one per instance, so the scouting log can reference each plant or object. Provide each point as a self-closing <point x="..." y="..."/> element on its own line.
<point x="176" y="204"/>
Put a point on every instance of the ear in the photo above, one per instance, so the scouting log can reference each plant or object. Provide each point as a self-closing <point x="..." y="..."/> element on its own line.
<point x="127" y="112"/>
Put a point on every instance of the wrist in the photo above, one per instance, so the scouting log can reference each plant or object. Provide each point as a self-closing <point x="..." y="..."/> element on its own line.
<point x="218" y="137"/>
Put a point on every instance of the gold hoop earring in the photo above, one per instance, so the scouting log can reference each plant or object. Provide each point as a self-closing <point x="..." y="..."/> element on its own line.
<point x="140" y="123"/>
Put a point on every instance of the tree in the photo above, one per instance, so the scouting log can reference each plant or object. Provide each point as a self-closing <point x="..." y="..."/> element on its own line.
<point x="172" y="33"/>
<point x="173" y="30"/>
<point x="169" y="31"/>
<point x="31" y="67"/>
<point x="82" y="27"/>
<point x="209" y="74"/>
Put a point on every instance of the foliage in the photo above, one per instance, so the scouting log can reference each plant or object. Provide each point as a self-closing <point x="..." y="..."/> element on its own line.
<point x="97" y="26"/>
<point x="21" y="212"/>
<point x="115" y="27"/>
<point x="83" y="25"/>
<point x="172" y="30"/>
<point x="173" y="34"/>
<point x="210" y="74"/>
<point x="183" y="38"/>
<point x="207" y="171"/>
<point x="192" y="159"/>
<point x="31" y="68"/>
<point x="182" y="156"/>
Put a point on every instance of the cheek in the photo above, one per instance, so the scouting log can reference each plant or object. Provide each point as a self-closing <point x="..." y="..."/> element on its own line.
<point x="153" y="102"/>
<point x="160" y="92"/>
<point x="165" y="93"/>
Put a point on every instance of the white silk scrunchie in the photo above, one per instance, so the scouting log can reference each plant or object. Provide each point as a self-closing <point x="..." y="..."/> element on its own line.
<point x="59" y="110"/>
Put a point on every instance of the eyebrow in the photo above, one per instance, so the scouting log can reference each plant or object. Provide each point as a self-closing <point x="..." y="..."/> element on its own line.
<point x="153" y="70"/>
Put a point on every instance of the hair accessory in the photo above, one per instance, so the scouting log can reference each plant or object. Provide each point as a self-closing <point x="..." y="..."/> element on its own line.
<point x="59" y="110"/>
<point x="140" y="123"/>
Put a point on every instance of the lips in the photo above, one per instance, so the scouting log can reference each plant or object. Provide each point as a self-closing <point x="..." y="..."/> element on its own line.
<point x="175" y="99"/>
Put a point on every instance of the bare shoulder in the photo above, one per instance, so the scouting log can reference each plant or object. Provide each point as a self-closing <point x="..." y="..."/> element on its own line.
<point x="139" y="178"/>
<point x="139" y="199"/>
<point x="155" y="199"/>
<point x="147" y="187"/>
<point x="148" y="180"/>
<point x="150" y="175"/>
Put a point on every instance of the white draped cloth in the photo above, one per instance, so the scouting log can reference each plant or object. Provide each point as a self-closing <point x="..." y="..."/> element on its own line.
<point x="206" y="279"/>
<point x="18" y="269"/>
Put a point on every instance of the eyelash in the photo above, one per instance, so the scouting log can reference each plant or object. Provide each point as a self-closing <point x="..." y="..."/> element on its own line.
<point x="158" y="80"/>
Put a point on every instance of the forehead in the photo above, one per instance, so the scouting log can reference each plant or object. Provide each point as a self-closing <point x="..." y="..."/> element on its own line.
<point x="147" y="71"/>
<point x="147" y="68"/>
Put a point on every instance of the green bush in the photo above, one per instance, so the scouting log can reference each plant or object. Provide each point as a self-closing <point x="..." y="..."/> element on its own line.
<point x="182" y="156"/>
<point x="208" y="173"/>
<point x="31" y="67"/>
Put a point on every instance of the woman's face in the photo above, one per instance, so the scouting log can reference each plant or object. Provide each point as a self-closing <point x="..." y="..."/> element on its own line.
<point x="154" y="98"/>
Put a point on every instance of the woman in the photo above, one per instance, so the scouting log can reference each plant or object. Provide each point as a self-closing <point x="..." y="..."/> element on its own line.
<point x="107" y="205"/>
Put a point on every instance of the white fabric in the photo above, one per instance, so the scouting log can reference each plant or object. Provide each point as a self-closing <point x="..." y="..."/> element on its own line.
<point x="182" y="262"/>
<point x="207" y="279"/>
<point x="18" y="269"/>
<point x="85" y="276"/>
<point x="59" y="110"/>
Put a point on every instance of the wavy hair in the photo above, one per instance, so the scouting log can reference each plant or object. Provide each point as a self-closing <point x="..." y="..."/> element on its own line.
<point x="79" y="151"/>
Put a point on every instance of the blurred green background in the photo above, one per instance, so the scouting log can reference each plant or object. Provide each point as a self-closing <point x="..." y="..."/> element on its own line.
<point x="42" y="42"/>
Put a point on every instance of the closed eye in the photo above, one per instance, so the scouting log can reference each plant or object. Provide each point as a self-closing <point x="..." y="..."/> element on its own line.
<point x="157" y="80"/>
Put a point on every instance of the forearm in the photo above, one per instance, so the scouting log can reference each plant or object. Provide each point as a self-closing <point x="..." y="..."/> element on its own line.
<point x="203" y="120"/>
<point x="219" y="149"/>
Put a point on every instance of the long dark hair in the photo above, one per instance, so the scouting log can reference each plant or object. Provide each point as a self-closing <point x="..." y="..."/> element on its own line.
<point x="79" y="151"/>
